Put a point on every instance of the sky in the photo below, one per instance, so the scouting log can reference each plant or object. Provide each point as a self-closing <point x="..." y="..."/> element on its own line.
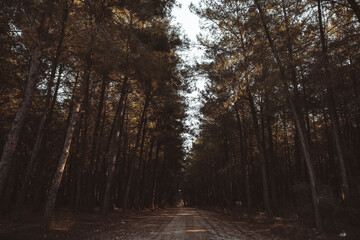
<point x="188" y="20"/>
<point x="190" y="24"/>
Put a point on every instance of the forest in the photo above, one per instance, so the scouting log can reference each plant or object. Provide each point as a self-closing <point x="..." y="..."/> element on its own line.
<point x="93" y="108"/>
<point x="91" y="105"/>
<point x="280" y="127"/>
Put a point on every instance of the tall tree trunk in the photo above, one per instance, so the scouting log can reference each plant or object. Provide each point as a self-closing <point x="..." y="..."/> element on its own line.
<point x="18" y="123"/>
<point x="132" y="158"/>
<point x="50" y="202"/>
<point x="114" y="149"/>
<point x="96" y="142"/>
<point x="298" y="119"/>
<point x="261" y="152"/>
<point x="332" y="108"/>
<point x="273" y="161"/>
<point x="140" y="167"/>
<point x="45" y="122"/>
<point x="10" y="188"/>
<point x="243" y="148"/>
<point x="84" y="106"/>
<point x="144" y="182"/>
<point x="46" y="116"/>
<point x="155" y="176"/>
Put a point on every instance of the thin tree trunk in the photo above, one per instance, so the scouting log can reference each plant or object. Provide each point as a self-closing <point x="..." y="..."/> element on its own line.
<point x="243" y="148"/>
<point x="10" y="188"/>
<point x="332" y="108"/>
<point x="96" y="142"/>
<point x="18" y="123"/>
<point x="144" y="182"/>
<point x="247" y="172"/>
<point x="261" y="152"/>
<point x="154" y="180"/>
<point x="84" y="128"/>
<point x="140" y="167"/>
<point x="355" y="7"/>
<point x="118" y="128"/>
<point x="132" y="158"/>
<point x="273" y="162"/>
<point x="50" y="203"/>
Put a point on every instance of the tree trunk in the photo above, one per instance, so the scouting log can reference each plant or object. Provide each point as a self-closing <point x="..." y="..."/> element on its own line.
<point x="355" y="7"/>
<point x="132" y="158"/>
<point x="247" y="172"/>
<point x="261" y="152"/>
<point x="332" y="108"/>
<point x="84" y="128"/>
<point x="298" y="119"/>
<point x="5" y="206"/>
<point x="114" y="149"/>
<point x="18" y="123"/>
<point x="140" y="167"/>
<point x="46" y="116"/>
<point x="144" y="183"/>
<point x="243" y="148"/>
<point x="154" y="180"/>
<point x="50" y="203"/>
<point x="45" y="122"/>
<point x="96" y="142"/>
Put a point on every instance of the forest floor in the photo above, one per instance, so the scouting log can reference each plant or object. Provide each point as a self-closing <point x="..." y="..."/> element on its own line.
<point x="172" y="223"/>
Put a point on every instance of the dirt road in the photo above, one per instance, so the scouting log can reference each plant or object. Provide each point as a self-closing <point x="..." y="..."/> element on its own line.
<point x="178" y="223"/>
<point x="171" y="223"/>
<point x="190" y="223"/>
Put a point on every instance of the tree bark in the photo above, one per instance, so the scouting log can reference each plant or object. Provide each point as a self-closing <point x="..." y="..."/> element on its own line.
<point x="50" y="203"/>
<point x="144" y="182"/>
<point x="118" y="128"/>
<point x="45" y="122"/>
<point x="84" y="106"/>
<point x="243" y="148"/>
<point x="261" y="152"/>
<point x="132" y="158"/>
<point x="78" y="101"/>
<point x="140" y="167"/>
<point x="298" y="119"/>
<point x="18" y="123"/>
<point x="332" y="108"/>
<point x="154" y="180"/>
<point x="46" y="117"/>
<point x="355" y="7"/>
<point x="96" y="141"/>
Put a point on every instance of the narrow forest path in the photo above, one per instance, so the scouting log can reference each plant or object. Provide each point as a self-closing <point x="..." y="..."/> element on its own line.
<point x="179" y="223"/>
<point x="171" y="223"/>
<point x="191" y="223"/>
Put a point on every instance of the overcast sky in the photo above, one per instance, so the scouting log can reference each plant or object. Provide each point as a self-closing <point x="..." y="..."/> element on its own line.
<point x="188" y="20"/>
<point x="191" y="27"/>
